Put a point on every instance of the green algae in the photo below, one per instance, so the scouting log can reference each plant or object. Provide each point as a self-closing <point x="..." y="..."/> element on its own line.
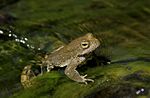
<point x="58" y="85"/>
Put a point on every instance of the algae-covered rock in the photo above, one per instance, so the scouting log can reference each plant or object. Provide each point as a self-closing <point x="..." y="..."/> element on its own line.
<point x="111" y="81"/>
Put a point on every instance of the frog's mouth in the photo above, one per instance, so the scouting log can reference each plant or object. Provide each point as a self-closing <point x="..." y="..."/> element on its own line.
<point x="85" y="55"/>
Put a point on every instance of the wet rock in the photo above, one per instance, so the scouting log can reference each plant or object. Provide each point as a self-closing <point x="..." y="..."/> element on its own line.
<point x="6" y="18"/>
<point x="139" y="76"/>
<point x="120" y="91"/>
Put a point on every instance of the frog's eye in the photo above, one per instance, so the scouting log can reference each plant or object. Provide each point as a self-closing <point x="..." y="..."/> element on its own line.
<point x="85" y="44"/>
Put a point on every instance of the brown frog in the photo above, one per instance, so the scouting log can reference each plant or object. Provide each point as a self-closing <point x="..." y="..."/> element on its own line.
<point x="71" y="56"/>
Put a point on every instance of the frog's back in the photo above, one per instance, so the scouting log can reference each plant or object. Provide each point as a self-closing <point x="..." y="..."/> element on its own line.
<point x="66" y="54"/>
<point x="59" y="58"/>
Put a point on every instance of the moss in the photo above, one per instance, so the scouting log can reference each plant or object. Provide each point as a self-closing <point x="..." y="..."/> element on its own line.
<point x="58" y="86"/>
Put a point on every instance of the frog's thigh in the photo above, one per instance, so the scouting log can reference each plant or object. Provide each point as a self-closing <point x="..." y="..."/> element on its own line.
<point x="71" y="71"/>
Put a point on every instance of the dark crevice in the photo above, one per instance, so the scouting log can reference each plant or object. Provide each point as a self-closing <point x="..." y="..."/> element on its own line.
<point x="128" y="60"/>
<point x="4" y="3"/>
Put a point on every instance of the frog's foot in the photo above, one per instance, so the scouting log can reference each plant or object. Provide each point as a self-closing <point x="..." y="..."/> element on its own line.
<point x="74" y="75"/>
<point x="49" y="68"/>
<point x="84" y="80"/>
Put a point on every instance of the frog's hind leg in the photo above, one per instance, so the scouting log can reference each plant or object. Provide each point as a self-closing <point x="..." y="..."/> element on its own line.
<point x="26" y="76"/>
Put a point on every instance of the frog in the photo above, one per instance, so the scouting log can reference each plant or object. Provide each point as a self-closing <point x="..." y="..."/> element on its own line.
<point x="71" y="56"/>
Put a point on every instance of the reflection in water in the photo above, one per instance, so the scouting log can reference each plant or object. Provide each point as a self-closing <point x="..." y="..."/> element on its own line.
<point x="140" y="91"/>
<point x="12" y="36"/>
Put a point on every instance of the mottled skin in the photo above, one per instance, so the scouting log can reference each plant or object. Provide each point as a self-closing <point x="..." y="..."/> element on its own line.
<point x="26" y="76"/>
<point x="71" y="56"/>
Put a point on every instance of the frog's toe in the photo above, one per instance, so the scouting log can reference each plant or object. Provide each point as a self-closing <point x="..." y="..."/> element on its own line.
<point x="86" y="80"/>
<point x="91" y="80"/>
<point x="84" y="76"/>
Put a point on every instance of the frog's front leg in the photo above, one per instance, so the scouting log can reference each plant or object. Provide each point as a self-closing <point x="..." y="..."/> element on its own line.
<point x="73" y="74"/>
<point x="49" y="68"/>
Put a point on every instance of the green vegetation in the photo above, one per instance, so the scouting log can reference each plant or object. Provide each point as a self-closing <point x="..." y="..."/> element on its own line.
<point x="57" y="85"/>
<point x="123" y="27"/>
